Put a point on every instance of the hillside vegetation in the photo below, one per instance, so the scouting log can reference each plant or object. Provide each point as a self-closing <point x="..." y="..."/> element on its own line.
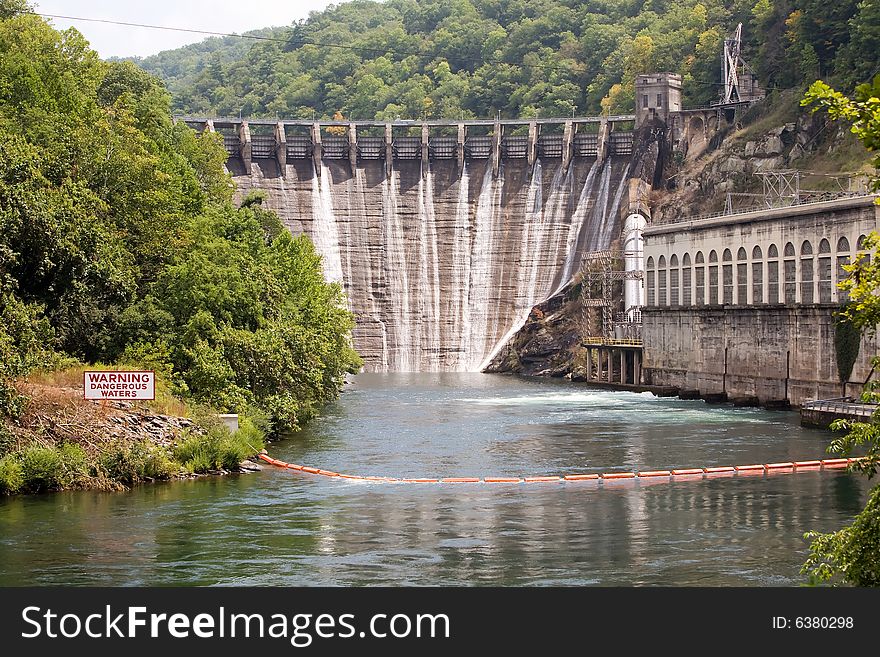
<point x="522" y="58"/>
<point x="119" y="243"/>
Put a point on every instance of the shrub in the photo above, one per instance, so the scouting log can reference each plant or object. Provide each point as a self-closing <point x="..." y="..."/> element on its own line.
<point x="41" y="467"/>
<point x="130" y="464"/>
<point x="75" y="465"/>
<point x="219" y="448"/>
<point x="11" y="474"/>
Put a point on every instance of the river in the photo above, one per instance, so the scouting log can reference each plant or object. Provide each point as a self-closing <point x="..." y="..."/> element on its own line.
<point x="282" y="528"/>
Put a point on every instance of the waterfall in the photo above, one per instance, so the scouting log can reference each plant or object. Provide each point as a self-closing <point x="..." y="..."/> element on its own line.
<point x="482" y="270"/>
<point x="429" y="274"/>
<point x="460" y="284"/>
<point x="325" y="233"/>
<point x="534" y="229"/>
<point x="440" y="265"/>
<point x="584" y="204"/>
<point x="397" y="277"/>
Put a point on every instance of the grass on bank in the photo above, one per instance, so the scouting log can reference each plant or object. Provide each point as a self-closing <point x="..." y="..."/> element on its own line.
<point x="38" y="468"/>
<point x="61" y="441"/>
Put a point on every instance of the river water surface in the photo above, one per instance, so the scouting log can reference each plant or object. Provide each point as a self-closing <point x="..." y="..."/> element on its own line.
<point x="280" y="528"/>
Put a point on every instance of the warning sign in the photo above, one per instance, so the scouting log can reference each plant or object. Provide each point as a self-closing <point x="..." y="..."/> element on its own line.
<point x="119" y="385"/>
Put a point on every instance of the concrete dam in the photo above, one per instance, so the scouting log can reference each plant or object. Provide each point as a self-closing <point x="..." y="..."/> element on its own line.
<point x="443" y="241"/>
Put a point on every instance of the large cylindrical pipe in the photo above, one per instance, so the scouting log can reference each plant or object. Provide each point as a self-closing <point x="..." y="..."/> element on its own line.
<point x="634" y="257"/>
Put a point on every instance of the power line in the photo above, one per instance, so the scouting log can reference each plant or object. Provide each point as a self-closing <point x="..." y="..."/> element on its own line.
<point x="304" y="42"/>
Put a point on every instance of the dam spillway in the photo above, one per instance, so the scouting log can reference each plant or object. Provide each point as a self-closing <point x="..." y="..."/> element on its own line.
<point x="443" y="258"/>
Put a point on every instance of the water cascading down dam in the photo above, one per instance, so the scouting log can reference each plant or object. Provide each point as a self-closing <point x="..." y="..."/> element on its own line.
<point x="443" y="235"/>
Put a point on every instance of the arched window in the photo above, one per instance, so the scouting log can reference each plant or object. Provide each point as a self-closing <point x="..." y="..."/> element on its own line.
<point x="806" y="272"/>
<point x="790" y="274"/>
<point x="757" y="276"/>
<point x="713" y="277"/>
<point x="825" y="271"/>
<point x="860" y="245"/>
<point x="727" y="275"/>
<point x="686" y="292"/>
<point x="772" y="274"/>
<point x="649" y="281"/>
<point x="742" y="277"/>
<point x="661" y="281"/>
<point x="842" y="274"/>
<point x="699" y="279"/>
<point x="673" y="281"/>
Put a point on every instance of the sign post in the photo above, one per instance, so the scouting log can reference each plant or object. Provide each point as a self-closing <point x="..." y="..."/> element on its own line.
<point x="119" y="386"/>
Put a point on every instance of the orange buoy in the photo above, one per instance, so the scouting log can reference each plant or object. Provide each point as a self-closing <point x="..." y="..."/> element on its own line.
<point x="328" y="473"/>
<point x="687" y="471"/>
<point x="294" y="466"/>
<point x="534" y="480"/>
<point x="618" y="475"/>
<point x="719" y="469"/>
<point x="459" y="480"/>
<point x="580" y="477"/>
<point x="749" y="468"/>
<point x="502" y="480"/>
<point x="420" y="481"/>
<point x="835" y="463"/>
<point x="655" y="473"/>
<point x="779" y="466"/>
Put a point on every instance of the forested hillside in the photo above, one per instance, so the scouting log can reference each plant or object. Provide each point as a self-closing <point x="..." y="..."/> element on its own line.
<point x="473" y="58"/>
<point x="119" y="243"/>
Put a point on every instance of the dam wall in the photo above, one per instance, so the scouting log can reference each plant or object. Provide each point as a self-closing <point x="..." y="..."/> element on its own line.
<point x="441" y="261"/>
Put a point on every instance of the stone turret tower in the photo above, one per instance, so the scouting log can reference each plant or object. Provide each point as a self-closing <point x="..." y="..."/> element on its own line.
<point x="657" y="95"/>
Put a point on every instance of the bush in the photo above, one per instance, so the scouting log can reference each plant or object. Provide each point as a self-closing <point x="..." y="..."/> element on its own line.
<point x="75" y="465"/>
<point x="219" y="448"/>
<point x="11" y="474"/>
<point x="50" y="468"/>
<point x="41" y="467"/>
<point x="130" y="464"/>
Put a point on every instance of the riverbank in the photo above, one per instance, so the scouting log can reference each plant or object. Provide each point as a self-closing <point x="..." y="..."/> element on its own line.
<point x="61" y="441"/>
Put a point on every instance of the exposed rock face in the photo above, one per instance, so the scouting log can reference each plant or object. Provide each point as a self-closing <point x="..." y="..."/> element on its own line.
<point x="700" y="185"/>
<point x="440" y="267"/>
<point x="547" y="344"/>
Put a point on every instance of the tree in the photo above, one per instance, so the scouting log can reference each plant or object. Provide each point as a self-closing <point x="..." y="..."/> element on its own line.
<point x="851" y="555"/>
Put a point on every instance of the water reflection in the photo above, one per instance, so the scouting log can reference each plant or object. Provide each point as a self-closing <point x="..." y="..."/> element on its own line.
<point x="281" y="528"/>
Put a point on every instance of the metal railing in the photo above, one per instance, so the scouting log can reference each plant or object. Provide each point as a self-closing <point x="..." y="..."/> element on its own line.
<point x="844" y="406"/>
<point x="611" y="342"/>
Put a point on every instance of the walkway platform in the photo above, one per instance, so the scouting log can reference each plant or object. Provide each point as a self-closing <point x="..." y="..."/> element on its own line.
<point x="822" y="412"/>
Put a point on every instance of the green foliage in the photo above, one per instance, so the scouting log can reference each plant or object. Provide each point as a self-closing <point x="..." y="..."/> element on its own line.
<point x="249" y="320"/>
<point x="25" y="343"/>
<point x="847" y="339"/>
<point x="136" y="462"/>
<point x="219" y="448"/>
<point x="52" y="468"/>
<point x="863" y="112"/>
<point x="11" y="474"/>
<point x="119" y="243"/>
<point x="431" y="59"/>
<point x="850" y="554"/>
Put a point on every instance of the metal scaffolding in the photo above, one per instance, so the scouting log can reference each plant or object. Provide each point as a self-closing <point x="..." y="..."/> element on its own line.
<point x="598" y="274"/>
